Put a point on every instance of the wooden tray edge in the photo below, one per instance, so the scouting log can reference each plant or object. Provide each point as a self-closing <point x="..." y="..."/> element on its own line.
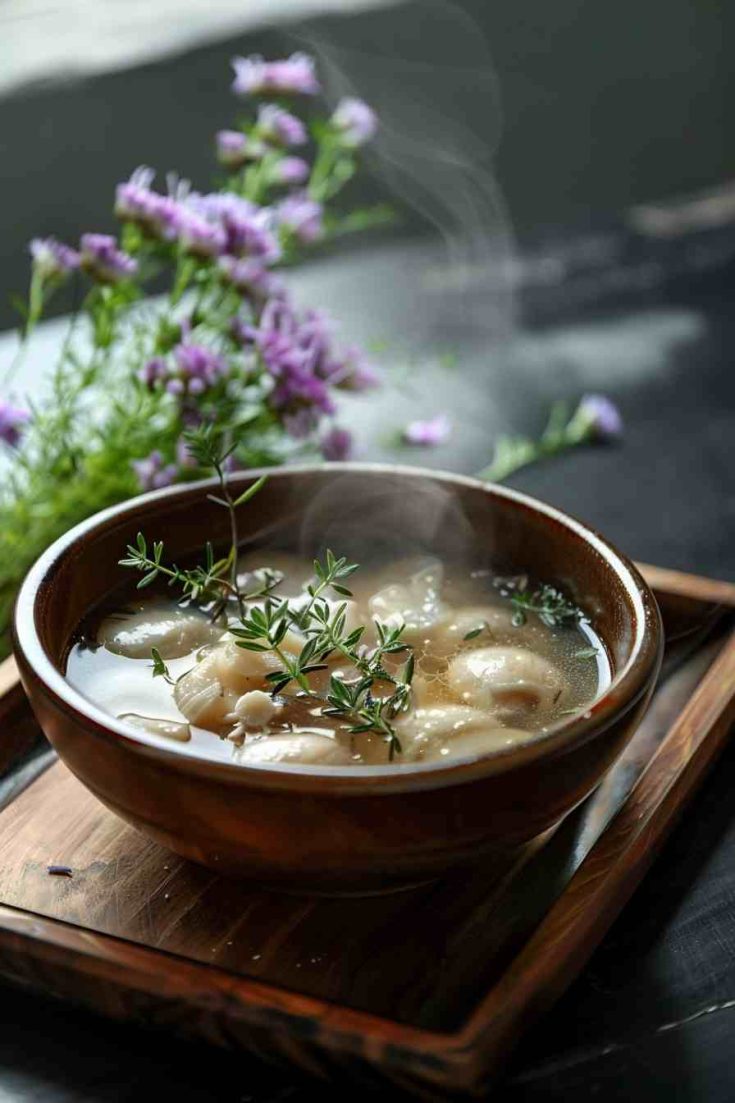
<point x="669" y="581"/>
<point x="609" y="874"/>
<point x="302" y="1029"/>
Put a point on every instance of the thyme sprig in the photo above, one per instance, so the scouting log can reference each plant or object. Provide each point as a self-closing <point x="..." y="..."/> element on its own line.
<point x="369" y="698"/>
<point x="357" y="698"/>
<point x="595" y="420"/>
<point x="216" y="581"/>
<point x="547" y="602"/>
<point x="205" y="446"/>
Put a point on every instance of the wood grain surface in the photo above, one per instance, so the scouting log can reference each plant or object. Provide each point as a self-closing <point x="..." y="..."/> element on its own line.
<point x="429" y="988"/>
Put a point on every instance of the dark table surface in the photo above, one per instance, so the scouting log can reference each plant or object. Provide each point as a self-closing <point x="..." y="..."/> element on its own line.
<point x="642" y="309"/>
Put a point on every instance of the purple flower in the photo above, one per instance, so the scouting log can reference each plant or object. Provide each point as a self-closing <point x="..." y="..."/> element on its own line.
<point x="252" y="235"/>
<point x="428" y="433"/>
<point x="290" y="170"/>
<point x="248" y="230"/>
<point x="250" y="277"/>
<point x="298" y="386"/>
<point x="51" y="258"/>
<point x="135" y="201"/>
<point x="289" y="76"/>
<point x="103" y="260"/>
<point x="231" y="146"/>
<point x="291" y="355"/>
<point x="301" y="216"/>
<point x="12" y="423"/>
<point x="280" y="127"/>
<point x="314" y="338"/>
<point x="153" y="473"/>
<point x="200" y="236"/>
<point x="234" y="148"/>
<point x="352" y="372"/>
<point x="277" y="336"/>
<point x="197" y="369"/>
<point x="354" y="121"/>
<point x="336" y="444"/>
<point x="153" y="371"/>
<point x="217" y="205"/>
<point x="600" y="416"/>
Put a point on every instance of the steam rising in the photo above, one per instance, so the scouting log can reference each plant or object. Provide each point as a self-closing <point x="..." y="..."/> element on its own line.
<point x="433" y="86"/>
<point x="385" y="520"/>
<point x="428" y="82"/>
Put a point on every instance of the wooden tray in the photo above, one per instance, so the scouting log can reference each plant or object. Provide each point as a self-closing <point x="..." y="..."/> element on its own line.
<point x="428" y="988"/>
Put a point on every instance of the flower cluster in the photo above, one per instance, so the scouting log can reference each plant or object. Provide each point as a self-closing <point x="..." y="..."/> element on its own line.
<point x="191" y="370"/>
<point x="305" y="367"/>
<point x="98" y="255"/>
<point x="229" y="344"/>
<point x="222" y="347"/>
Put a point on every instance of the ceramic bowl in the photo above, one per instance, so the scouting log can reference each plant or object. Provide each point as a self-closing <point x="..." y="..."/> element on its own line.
<point x="341" y="829"/>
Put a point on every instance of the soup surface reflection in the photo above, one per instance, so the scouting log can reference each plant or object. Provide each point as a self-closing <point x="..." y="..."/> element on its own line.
<point x="482" y="681"/>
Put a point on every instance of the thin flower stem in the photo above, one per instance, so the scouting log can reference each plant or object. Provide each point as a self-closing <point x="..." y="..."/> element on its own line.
<point x="514" y="453"/>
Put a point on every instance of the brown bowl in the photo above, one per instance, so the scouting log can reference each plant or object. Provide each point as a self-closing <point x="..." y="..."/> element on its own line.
<point x="341" y="829"/>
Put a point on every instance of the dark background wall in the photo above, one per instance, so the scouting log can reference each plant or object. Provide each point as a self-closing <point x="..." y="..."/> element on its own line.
<point x="604" y="105"/>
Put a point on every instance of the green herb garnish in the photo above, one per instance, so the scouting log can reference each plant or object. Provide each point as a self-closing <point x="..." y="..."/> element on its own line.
<point x="160" y="670"/>
<point x="475" y="632"/>
<point x="360" y="695"/>
<point x="547" y="602"/>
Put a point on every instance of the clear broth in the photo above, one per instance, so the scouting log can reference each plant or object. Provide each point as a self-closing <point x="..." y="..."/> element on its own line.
<point x="508" y="684"/>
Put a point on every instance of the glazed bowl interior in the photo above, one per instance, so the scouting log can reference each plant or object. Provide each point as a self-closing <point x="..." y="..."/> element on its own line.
<point x="371" y="514"/>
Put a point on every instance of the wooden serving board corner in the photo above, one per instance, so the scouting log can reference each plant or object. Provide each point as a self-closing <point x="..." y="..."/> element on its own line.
<point x="434" y="985"/>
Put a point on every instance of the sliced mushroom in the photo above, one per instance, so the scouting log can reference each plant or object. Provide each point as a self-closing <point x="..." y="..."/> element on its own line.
<point x="171" y="729"/>
<point x="422" y="729"/>
<point x="492" y="624"/>
<point x="241" y="670"/>
<point x="478" y="742"/>
<point x="301" y="747"/>
<point x="200" y="695"/>
<point x="509" y="681"/>
<point x="174" y="632"/>
<point x="453" y="731"/>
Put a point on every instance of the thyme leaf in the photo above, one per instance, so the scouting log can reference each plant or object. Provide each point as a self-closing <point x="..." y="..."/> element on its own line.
<point x="160" y="670"/>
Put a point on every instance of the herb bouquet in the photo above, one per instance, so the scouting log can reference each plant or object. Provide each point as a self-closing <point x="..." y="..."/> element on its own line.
<point x="222" y="346"/>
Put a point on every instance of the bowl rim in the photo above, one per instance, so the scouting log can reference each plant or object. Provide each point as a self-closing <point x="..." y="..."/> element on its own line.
<point x="623" y="693"/>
